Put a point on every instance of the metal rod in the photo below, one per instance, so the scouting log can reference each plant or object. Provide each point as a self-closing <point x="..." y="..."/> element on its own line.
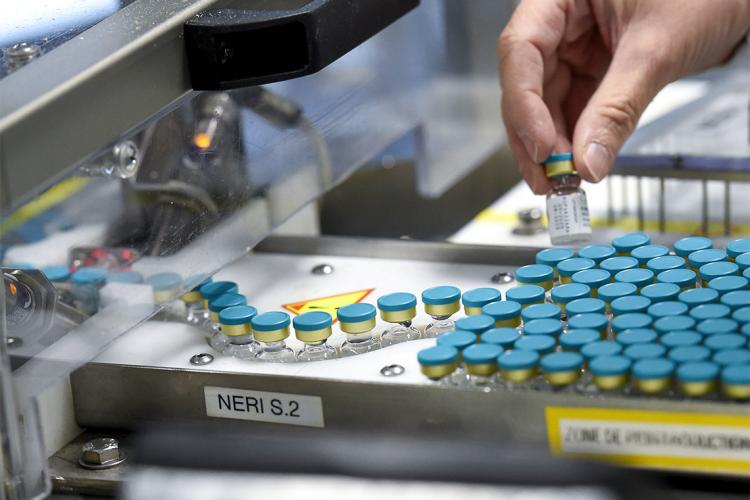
<point x="727" y="208"/>
<point x="639" y="197"/>
<point x="610" y="202"/>
<point x="662" y="207"/>
<point x="704" y="207"/>
<point x="624" y="200"/>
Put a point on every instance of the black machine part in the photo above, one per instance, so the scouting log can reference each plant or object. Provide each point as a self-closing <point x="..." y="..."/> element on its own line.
<point x="280" y="39"/>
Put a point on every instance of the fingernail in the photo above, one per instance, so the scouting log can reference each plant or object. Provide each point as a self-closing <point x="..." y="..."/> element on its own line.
<point x="597" y="159"/>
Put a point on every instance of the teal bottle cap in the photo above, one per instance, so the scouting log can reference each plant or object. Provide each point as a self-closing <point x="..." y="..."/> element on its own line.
<point x="518" y="360"/>
<point x="680" y="338"/>
<point x="441" y="295"/>
<point x="628" y="242"/>
<point x="673" y="323"/>
<point x="659" y="292"/>
<point x="647" y="252"/>
<point x="687" y="354"/>
<point x="585" y="306"/>
<point x="356" y="313"/>
<point x="736" y="375"/>
<point x="637" y="276"/>
<point x="594" y="278"/>
<point x="650" y="369"/>
<point x="630" y="304"/>
<point x="164" y="281"/>
<point x="738" y="299"/>
<point x="479" y="297"/>
<point x="525" y="294"/>
<point x="574" y="340"/>
<point x="616" y="264"/>
<point x="506" y="309"/>
<point x="726" y="284"/>
<point x="551" y="256"/>
<point x="631" y="321"/>
<point x="667" y="308"/>
<point x="738" y="247"/>
<point x="437" y="356"/>
<point x="607" y="366"/>
<point x="57" y="273"/>
<point x="594" y="321"/>
<point x="571" y="266"/>
<point x="651" y="350"/>
<point x="701" y="257"/>
<point x="636" y="336"/>
<point x="683" y="278"/>
<point x="597" y="253"/>
<point x="730" y="357"/>
<point x="725" y="341"/>
<point x="665" y="263"/>
<point x="132" y="277"/>
<point x="612" y="291"/>
<point x="717" y="326"/>
<point x="459" y="339"/>
<point x="395" y="302"/>
<point x="698" y="296"/>
<point x="745" y="330"/>
<point x="541" y="344"/>
<point x="270" y="321"/>
<point x="237" y="315"/>
<point x="541" y="311"/>
<point x="477" y="323"/>
<point x="685" y="246"/>
<point x="534" y="273"/>
<point x="554" y="158"/>
<point x="743" y="260"/>
<point x="570" y="292"/>
<point x="504" y="337"/>
<point x="742" y="315"/>
<point x="562" y="362"/>
<point x="600" y="348"/>
<point x="481" y="354"/>
<point x="551" y="327"/>
<point x="89" y="276"/>
<point x="216" y="288"/>
<point x="716" y="269"/>
<point x="710" y="311"/>
<point x="746" y="273"/>
<point x="312" y="321"/>
<point x="698" y="371"/>
<point x="227" y="300"/>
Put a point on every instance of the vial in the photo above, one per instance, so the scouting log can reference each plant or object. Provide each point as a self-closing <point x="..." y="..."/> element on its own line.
<point x="697" y="379"/>
<point x="593" y="278"/>
<point x="477" y="298"/>
<point x="652" y="376"/>
<point x="459" y="340"/>
<point x="576" y="339"/>
<point x="569" y="267"/>
<point x="271" y="329"/>
<point x="506" y="313"/>
<point x="214" y="335"/>
<point x="166" y="286"/>
<point x="553" y="256"/>
<point x="86" y="282"/>
<point x="212" y="290"/>
<point x="195" y="311"/>
<point x="628" y="242"/>
<point x="567" y="208"/>
<point x="438" y="363"/>
<point x="562" y="370"/>
<point x="476" y="324"/>
<point x="398" y="308"/>
<point x="504" y="337"/>
<point x="610" y="373"/>
<point x="313" y="329"/>
<point x="735" y="382"/>
<point x="518" y="367"/>
<point x="357" y="321"/>
<point x="647" y="252"/>
<point x="685" y="246"/>
<point x="597" y="253"/>
<point x="236" y="327"/>
<point x="441" y="302"/>
<point x="481" y="363"/>
<point x="737" y="248"/>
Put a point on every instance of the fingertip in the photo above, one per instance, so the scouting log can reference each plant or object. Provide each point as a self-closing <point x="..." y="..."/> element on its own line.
<point x="593" y="161"/>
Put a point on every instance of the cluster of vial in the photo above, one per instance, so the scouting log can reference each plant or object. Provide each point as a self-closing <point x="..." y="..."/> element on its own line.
<point x="629" y="318"/>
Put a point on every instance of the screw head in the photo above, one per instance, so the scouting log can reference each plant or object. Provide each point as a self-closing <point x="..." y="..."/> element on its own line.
<point x="127" y="159"/>
<point x="501" y="278"/>
<point x="322" y="269"/>
<point x="13" y="341"/>
<point x="101" y="453"/>
<point x="392" y="370"/>
<point x="201" y="359"/>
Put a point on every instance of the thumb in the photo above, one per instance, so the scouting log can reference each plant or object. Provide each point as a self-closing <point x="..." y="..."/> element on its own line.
<point x="613" y="111"/>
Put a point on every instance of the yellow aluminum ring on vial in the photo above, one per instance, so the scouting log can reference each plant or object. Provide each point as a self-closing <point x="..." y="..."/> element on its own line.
<point x="506" y="313"/>
<point x="438" y="361"/>
<point x="481" y="359"/>
<point x="235" y="320"/>
<point x="271" y="326"/>
<point x="313" y="327"/>
<point x="562" y="368"/>
<point x="736" y="391"/>
<point x="559" y="164"/>
<point x="653" y="376"/>
<point x="518" y="365"/>
<point x="166" y="286"/>
<point x="735" y="381"/>
<point x="610" y="372"/>
<point x="215" y="288"/>
<point x="191" y="297"/>
<point x="357" y="318"/>
<point x="697" y="378"/>
<point x="536" y="274"/>
<point x="217" y="304"/>
<point x="398" y="307"/>
<point x="441" y="301"/>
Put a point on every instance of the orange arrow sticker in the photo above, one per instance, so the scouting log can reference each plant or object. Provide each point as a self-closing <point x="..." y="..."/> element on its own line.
<point x="328" y="304"/>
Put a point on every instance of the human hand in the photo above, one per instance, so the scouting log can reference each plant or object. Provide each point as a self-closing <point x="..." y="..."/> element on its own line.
<point x="577" y="74"/>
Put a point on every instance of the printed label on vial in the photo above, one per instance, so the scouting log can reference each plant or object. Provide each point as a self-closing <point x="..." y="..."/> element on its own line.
<point x="568" y="215"/>
<point x="261" y="406"/>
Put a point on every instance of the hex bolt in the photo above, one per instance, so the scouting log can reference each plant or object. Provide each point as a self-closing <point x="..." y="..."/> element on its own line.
<point x="101" y="453"/>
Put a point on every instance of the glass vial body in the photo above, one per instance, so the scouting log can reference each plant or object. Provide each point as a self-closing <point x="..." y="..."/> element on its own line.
<point x="441" y="325"/>
<point x="316" y="352"/>
<point x="567" y="211"/>
<point x="357" y="321"/>
<point x="401" y="332"/>
<point x="359" y="343"/>
<point x="277" y="352"/>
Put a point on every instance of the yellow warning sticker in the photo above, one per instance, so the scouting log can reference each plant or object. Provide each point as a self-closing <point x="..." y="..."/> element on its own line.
<point x="328" y="304"/>
<point x="700" y="442"/>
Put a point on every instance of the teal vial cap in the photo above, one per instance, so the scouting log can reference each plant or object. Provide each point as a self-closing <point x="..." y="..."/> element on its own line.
<point x="637" y="276"/>
<point x="270" y="321"/>
<point x="477" y="323"/>
<point x="504" y="337"/>
<point x="216" y="288"/>
<point x="541" y="311"/>
<point x="665" y="263"/>
<point x="600" y="348"/>
<point x="717" y="326"/>
<point x="659" y="292"/>
<point x="700" y="371"/>
<point x="736" y="375"/>
<point x="628" y="242"/>
<point x="687" y="354"/>
<point x="356" y="313"/>
<point x="726" y="284"/>
<point x="631" y="321"/>
<point x="680" y="338"/>
<point x="716" y="269"/>
<point x="673" y="323"/>
<point x="710" y="311"/>
<point x="698" y="296"/>
<point x="636" y="336"/>
<point x="630" y="304"/>
<point x="552" y="256"/>
<point x="56" y="273"/>
<point x="645" y="351"/>
<point x="132" y="277"/>
<point x="164" y="281"/>
<point x="736" y="300"/>
<point x="506" y="309"/>
<point x="653" y="369"/>
<point x="570" y="292"/>
<point x="681" y="277"/>
<point x="597" y="253"/>
<point x="481" y="354"/>
<point x="525" y="294"/>
<point x="575" y="339"/>
<point x="685" y="246"/>
<point x="594" y="278"/>
<point x="647" y="252"/>
<point x="518" y="360"/>
<point x="667" y="308"/>
<point x="562" y="362"/>
<point x="725" y="341"/>
<point x="743" y="260"/>
<point x="609" y="293"/>
<point x="742" y="315"/>
<point x="89" y="276"/>
<point x="738" y="247"/>
<point x="594" y="321"/>
<point x="312" y="321"/>
<point x="605" y="366"/>
<point x="534" y="273"/>
<point x="237" y="315"/>
<point x="437" y="356"/>
<point x="541" y="344"/>
<point x="196" y="281"/>
<point x="701" y="257"/>
<point x="441" y="295"/>
<point x="616" y="264"/>
<point x="399" y="301"/>
<point x="550" y="327"/>
<point x="459" y="339"/>
<point x="729" y="357"/>
<point x="585" y="306"/>
<point x="479" y="297"/>
<point x="227" y="300"/>
<point x="571" y="266"/>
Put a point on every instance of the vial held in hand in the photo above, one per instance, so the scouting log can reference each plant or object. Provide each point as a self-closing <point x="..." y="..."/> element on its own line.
<point x="567" y="209"/>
